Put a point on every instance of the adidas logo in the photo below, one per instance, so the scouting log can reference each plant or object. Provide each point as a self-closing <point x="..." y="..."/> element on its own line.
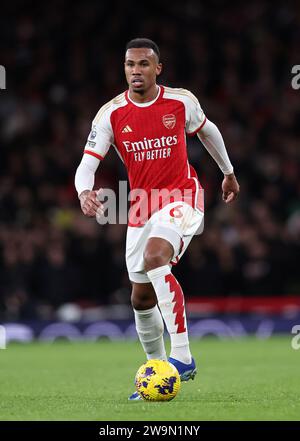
<point x="127" y="129"/>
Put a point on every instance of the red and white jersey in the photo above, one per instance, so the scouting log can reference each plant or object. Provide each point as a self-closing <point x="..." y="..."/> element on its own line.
<point x="150" y="138"/>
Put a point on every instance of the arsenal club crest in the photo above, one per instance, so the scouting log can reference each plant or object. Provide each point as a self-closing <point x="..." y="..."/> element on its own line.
<point x="169" y="121"/>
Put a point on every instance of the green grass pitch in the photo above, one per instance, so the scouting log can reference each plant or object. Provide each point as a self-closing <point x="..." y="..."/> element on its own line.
<point x="245" y="379"/>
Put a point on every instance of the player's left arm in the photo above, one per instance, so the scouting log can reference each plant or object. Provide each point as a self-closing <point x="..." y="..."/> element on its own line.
<point x="212" y="140"/>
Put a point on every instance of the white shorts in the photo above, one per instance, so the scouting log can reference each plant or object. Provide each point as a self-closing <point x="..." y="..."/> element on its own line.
<point x="177" y="223"/>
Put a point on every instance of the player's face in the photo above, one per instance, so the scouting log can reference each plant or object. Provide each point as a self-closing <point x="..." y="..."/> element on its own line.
<point x="141" y="69"/>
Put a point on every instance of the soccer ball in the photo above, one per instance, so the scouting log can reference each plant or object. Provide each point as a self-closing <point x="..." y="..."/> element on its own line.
<point x="157" y="380"/>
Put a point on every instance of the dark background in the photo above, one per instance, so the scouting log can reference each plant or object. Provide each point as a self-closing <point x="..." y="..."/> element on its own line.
<point x="63" y="61"/>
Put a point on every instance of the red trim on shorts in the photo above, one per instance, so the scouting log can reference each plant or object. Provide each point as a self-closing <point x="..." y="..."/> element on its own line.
<point x="94" y="154"/>
<point x="179" y="252"/>
<point x="197" y="130"/>
<point x="174" y="263"/>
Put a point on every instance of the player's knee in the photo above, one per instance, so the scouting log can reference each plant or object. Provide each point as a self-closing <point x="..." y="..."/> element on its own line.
<point x="158" y="252"/>
<point x="154" y="259"/>
<point x="141" y="299"/>
<point x="140" y="303"/>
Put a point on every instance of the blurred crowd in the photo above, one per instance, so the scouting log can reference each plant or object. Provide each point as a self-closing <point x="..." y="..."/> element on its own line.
<point x="63" y="61"/>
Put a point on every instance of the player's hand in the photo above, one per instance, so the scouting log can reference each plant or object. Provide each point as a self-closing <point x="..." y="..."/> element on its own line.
<point x="230" y="187"/>
<point x="90" y="204"/>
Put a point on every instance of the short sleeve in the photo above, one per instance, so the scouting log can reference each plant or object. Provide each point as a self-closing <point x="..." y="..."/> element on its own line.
<point x="101" y="135"/>
<point x="195" y="117"/>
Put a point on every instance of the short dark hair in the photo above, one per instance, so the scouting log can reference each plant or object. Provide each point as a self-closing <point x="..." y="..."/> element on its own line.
<point x="143" y="42"/>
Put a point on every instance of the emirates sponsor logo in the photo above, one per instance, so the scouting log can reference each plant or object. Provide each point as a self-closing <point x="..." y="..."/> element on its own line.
<point x="169" y="121"/>
<point x="148" y="144"/>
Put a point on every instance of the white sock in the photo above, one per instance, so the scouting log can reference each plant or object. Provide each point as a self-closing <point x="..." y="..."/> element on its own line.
<point x="150" y="328"/>
<point x="171" y="303"/>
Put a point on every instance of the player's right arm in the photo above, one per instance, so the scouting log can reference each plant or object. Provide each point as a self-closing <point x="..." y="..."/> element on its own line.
<point x="97" y="145"/>
<point x="84" y="183"/>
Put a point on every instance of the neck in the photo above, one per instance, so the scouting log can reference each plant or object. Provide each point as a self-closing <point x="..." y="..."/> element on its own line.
<point x="144" y="96"/>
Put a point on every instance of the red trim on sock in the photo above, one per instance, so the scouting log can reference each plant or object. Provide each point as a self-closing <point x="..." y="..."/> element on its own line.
<point x="179" y="302"/>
